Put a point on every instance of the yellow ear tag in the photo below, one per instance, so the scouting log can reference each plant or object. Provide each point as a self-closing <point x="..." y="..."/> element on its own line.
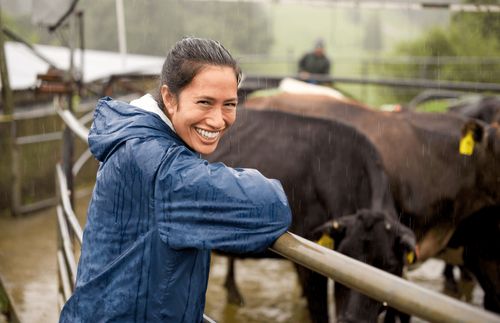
<point x="467" y="144"/>
<point x="326" y="241"/>
<point x="410" y="257"/>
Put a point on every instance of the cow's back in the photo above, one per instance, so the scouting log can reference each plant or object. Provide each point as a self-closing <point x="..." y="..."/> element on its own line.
<point x="419" y="152"/>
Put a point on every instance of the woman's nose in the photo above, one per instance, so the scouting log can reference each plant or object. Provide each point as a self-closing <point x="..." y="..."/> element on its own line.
<point x="215" y="118"/>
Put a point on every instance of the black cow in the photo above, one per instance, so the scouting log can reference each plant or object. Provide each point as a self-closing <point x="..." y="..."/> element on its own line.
<point x="478" y="237"/>
<point x="435" y="187"/>
<point x="329" y="171"/>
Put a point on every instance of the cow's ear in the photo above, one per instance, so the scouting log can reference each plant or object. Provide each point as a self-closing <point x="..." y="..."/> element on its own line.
<point x="339" y="228"/>
<point x="407" y="247"/>
<point x="330" y="233"/>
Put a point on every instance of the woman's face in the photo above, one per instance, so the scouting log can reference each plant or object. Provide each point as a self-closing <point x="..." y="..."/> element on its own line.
<point x="205" y="108"/>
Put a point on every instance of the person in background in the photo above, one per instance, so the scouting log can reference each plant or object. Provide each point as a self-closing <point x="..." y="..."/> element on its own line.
<point x="158" y="208"/>
<point x="314" y="62"/>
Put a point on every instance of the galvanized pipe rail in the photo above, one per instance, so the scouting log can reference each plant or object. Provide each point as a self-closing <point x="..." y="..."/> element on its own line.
<point x="380" y="285"/>
<point x="65" y="205"/>
<point x="69" y="228"/>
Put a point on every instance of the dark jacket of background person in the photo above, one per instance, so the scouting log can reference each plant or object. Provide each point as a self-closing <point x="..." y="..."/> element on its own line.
<point x="314" y="64"/>
<point x="157" y="211"/>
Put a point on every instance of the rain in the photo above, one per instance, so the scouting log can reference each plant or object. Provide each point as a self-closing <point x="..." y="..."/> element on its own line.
<point x="403" y="122"/>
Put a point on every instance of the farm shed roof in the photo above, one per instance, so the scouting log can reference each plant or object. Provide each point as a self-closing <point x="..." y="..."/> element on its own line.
<point x="23" y="65"/>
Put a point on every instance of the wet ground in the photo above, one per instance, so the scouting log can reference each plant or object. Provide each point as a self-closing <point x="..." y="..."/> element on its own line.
<point x="269" y="286"/>
<point x="28" y="265"/>
<point x="272" y="294"/>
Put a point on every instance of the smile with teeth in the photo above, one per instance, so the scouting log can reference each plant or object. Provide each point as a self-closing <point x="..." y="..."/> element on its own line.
<point x="208" y="134"/>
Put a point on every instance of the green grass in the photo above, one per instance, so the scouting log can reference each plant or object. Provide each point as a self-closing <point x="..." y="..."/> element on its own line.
<point x="437" y="106"/>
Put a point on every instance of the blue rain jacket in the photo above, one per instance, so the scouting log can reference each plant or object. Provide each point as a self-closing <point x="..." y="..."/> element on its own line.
<point x="156" y="212"/>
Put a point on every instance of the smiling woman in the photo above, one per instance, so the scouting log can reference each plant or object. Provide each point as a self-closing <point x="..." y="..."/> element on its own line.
<point x="158" y="209"/>
<point x="204" y="109"/>
<point x="198" y="92"/>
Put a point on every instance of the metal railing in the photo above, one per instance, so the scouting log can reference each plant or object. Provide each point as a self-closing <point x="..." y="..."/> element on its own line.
<point x="380" y="285"/>
<point x="69" y="229"/>
<point x="377" y="284"/>
<point x="383" y="66"/>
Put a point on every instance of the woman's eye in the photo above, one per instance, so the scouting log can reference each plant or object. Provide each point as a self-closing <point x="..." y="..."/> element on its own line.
<point x="231" y="105"/>
<point x="203" y="102"/>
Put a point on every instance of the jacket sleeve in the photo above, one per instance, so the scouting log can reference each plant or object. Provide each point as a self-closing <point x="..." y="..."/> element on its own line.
<point x="212" y="206"/>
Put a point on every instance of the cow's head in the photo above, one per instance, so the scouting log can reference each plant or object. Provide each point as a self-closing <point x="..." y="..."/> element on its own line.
<point x="485" y="108"/>
<point x="377" y="239"/>
<point x="481" y="142"/>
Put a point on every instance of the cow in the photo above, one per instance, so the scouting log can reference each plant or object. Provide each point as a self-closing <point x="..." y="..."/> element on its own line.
<point x="442" y="168"/>
<point x="480" y="228"/>
<point x="329" y="171"/>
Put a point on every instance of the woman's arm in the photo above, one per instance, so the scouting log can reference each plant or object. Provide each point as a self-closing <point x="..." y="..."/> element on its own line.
<point x="212" y="206"/>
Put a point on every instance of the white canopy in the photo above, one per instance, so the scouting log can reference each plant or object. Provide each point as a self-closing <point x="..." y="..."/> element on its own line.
<point x="23" y="65"/>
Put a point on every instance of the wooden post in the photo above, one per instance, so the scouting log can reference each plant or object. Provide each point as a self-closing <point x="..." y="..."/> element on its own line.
<point x="10" y="140"/>
<point x="81" y="38"/>
<point x="68" y="136"/>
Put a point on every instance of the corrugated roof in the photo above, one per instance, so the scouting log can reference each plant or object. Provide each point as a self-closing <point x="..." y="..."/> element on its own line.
<point x="23" y="65"/>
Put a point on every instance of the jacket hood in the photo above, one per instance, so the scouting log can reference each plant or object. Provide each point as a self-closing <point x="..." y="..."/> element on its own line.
<point x="116" y="122"/>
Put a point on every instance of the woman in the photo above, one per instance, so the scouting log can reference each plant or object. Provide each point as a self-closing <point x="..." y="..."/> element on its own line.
<point x="158" y="209"/>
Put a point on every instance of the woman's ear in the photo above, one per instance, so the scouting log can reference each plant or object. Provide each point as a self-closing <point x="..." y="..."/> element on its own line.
<point x="168" y="100"/>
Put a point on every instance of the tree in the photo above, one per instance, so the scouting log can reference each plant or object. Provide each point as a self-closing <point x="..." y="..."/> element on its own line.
<point x="471" y="38"/>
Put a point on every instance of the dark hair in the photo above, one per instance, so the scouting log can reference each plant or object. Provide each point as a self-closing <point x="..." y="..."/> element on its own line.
<point x="186" y="58"/>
